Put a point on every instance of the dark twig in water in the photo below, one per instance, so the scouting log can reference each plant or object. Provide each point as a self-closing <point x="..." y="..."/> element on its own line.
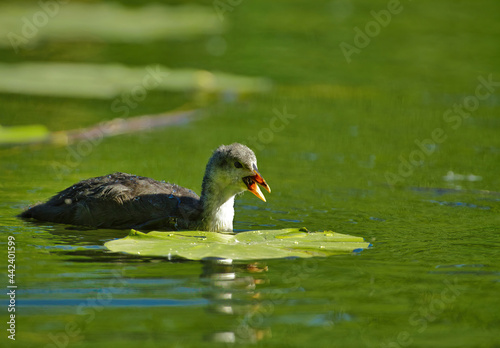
<point x="39" y="134"/>
<point x="119" y="126"/>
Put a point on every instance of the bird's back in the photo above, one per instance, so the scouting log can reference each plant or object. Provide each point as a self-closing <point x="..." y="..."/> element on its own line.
<point x="120" y="201"/>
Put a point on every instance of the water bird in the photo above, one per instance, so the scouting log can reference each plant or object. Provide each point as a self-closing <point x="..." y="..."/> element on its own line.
<point x="123" y="201"/>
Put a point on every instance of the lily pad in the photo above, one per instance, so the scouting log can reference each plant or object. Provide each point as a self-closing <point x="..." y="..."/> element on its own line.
<point x="23" y="134"/>
<point x="251" y="245"/>
<point x="106" y="81"/>
<point x="27" y="24"/>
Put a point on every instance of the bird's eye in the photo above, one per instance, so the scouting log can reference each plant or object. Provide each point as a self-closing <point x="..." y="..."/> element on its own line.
<point x="238" y="164"/>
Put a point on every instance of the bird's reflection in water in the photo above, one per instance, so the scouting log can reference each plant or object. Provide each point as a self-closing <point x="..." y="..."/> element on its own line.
<point x="233" y="290"/>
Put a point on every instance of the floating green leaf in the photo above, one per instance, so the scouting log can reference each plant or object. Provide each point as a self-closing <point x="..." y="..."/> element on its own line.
<point x="251" y="245"/>
<point x="23" y="134"/>
<point x="27" y="24"/>
<point x="106" y="81"/>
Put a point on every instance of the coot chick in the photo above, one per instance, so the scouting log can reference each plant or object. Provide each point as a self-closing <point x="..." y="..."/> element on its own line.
<point x="123" y="201"/>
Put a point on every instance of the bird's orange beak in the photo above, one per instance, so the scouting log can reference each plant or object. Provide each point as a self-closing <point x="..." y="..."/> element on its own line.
<point x="252" y="181"/>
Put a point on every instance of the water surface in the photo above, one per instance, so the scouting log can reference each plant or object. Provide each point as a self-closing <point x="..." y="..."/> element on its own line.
<point x="367" y="149"/>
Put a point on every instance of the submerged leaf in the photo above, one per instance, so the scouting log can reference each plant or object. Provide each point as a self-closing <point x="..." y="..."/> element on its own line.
<point x="111" y="22"/>
<point x="106" y="81"/>
<point x="23" y="134"/>
<point x="251" y="245"/>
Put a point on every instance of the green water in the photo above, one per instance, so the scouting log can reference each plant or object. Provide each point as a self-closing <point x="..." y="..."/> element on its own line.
<point x="347" y="158"/>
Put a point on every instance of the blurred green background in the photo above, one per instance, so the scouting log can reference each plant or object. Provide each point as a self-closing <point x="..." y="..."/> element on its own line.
<point x="346" y="158"/>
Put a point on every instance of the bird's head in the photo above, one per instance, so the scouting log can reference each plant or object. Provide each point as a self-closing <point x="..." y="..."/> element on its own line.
<point x="233" y="169"/>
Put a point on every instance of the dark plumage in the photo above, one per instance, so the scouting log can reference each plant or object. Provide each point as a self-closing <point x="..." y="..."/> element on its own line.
<point x="123" y="200"/>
